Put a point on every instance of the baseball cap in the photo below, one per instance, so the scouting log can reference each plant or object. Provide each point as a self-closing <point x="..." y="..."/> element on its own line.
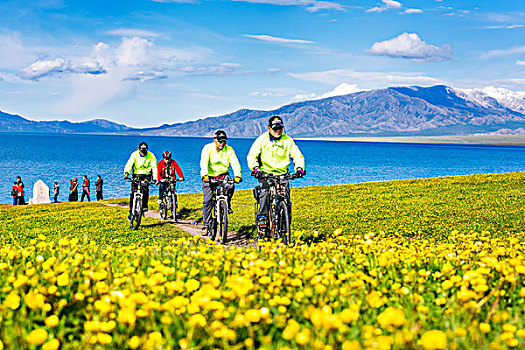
<point x="276" y="122"/>
<point x="220" y="135"/>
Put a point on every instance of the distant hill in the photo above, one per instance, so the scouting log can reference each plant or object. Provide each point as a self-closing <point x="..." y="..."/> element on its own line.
<point x="408" y="111"/>
<point x="15" y="123"/>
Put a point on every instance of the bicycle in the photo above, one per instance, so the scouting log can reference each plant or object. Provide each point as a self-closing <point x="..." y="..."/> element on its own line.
<point x="278" y="215"/>
<point x="220" y="209"/>
<point x="135" y="216"/>
<point x="168" y="201"/>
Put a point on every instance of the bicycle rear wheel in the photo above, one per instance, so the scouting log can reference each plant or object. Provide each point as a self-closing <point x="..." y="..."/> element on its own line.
<point x="136" y="214"/>
<point x="163" y="208"/>
<point x="222" y="217"/>
<point x="283" y="223"/>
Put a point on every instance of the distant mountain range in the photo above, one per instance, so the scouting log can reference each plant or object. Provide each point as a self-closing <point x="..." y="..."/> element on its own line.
<point x="436" y="110"/>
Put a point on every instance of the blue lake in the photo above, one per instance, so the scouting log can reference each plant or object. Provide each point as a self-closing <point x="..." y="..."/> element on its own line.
<point x="61" y="157"/>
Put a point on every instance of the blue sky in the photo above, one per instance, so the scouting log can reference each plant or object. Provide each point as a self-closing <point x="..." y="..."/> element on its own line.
<point x="146" y="63"/>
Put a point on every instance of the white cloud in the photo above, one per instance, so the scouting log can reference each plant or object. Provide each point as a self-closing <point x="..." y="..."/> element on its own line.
<point x="410" y="46"/>
<point x="512" y="51"/>
<point x="412" y="11"/>
<point x="340" y="90"/>
<point x="311" y="5"/>
<point x="367" y="80"/>
<point x="273" y="70"/>
<point x="145" y="76"/>
<point x="43" y="68"/>
<point x="223" y="68"/>
<point x="278" y="40"/>
<point x="267" y="94"/>
<point x="520" y="63"/>
<point x="511" y="26"/>
<point x="133" y="32"/>
<point x="13" y="52"/>
<point x="387" y="5"/>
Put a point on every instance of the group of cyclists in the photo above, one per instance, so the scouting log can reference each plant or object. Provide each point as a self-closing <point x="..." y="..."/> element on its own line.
<point x="270" y="154"/>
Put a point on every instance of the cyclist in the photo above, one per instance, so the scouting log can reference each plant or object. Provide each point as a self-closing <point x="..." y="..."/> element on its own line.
<point x="144" y="166"/>
<point x="216" y="159"/>
<point x="166" y="169"/>
<point x="270" y="154"/>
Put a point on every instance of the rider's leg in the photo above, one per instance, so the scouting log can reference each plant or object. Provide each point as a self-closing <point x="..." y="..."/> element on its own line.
<point x="207" y="204"/>
<point x="231" y="190"/>
<point x="161" y="190"/>
<point x="264" y="207"/>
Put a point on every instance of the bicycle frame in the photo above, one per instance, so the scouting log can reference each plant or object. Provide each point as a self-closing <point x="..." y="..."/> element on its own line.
<point x="220" y="195"/>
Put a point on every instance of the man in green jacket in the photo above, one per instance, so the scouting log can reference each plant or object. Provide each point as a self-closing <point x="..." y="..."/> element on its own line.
<point x="143" y="164"/>
<point x="270" y="154"/>
<point x="216" y="159"/>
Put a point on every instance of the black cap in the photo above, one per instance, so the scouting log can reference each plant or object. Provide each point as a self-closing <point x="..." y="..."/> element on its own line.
<point x="143" y="146"/>
<point x="220" y="135"/>
<point x="275" y="122"/>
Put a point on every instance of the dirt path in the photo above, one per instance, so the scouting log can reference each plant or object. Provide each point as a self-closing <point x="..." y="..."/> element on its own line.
<point x="194" y="228"/>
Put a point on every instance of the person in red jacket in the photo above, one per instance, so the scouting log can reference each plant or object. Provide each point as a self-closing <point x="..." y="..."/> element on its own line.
<point x="166" y="170"/>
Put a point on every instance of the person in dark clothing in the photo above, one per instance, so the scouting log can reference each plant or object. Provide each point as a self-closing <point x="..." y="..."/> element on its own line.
<point x="98" y="188"/>
<point x="85" y="188"/>
<point x="21" y="200"/>
<point x="14" y="193"/>
<point x="73" y="187"/>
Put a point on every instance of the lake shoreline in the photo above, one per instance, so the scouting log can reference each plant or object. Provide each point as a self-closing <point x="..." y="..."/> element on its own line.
<point x="496" y="140"/>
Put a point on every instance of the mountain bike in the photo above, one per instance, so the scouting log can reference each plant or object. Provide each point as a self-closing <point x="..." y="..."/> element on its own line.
<point x="220" y="209"/>
<point x="168" y="201"/>
<point x="278" y="215"/>
<point x="135" y="216"/>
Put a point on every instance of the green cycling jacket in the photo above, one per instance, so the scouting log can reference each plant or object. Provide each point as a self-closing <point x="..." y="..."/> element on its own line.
<point x="274" y="155"/>
<point x="142" y="165"/>
<point x="215" y="163"/>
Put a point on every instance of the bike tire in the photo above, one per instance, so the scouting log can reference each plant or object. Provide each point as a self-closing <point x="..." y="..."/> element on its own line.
<point x="283" y="223"/>
<point x="163" y="208"/>
<point x="136" y="216"/>
<point x="173" y="206"/>
<point x="213" y="230"/>
<point x="223" y="221"/>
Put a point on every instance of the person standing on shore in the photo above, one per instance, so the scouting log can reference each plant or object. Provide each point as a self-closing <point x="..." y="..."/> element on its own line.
<point x="56" y="190"/>
<point x="85" y="188"/>
<point x="21" y="186"/>
<point x="14" y="193"/>
<point x="73" y="187"/>
<point x="98" y="188"/>
<point x="216" y="159"/>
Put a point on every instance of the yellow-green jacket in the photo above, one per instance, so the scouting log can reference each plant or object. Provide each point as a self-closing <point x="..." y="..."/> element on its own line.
<point x="142" y="165"/>
<point x="215" y="163"/>
<point x="274" y="155"/>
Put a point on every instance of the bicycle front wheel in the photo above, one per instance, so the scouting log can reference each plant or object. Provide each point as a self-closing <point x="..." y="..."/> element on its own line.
<point x="163" y="208"/>
<point x="222" y="216"/>
<point x="136" y="215"/>
<point x="173" y="206"/>
<point x="283" y="223"/>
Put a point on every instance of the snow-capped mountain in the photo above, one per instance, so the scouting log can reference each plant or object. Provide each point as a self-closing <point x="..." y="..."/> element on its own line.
<point x="490" y="96"/>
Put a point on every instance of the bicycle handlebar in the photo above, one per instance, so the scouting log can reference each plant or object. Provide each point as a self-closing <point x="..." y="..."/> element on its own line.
<point x="137" y="181"/>
<point x="288" y="175"/>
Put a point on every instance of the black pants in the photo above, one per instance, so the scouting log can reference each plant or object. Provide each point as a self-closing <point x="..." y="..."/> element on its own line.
<point x="207" y="203"/>
<point x="145" y="191"/>
<point x="85" y="193"/>
<point x="264" y="197"/>
<point x="73" y="196"/>
<point x="99" y="196"/>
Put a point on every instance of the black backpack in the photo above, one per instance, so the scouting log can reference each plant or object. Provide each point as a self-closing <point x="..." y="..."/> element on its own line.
<point x="14" y="192"/>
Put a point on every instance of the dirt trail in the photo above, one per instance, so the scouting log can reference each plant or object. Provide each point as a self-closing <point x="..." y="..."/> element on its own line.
<point x="194" y="228"/>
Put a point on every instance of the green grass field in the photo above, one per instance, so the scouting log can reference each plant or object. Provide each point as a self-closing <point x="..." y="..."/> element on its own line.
<point x="422" y="264"/>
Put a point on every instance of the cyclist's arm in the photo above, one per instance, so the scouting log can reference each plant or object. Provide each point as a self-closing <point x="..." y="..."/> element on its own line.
<point x="297" y="156"/>
<point x="254" y="152"/>
<point x="154" y="169"/>
<point x="234" y="163"/>
<point x="175" y="167"/>
<point x="160" y="166"/>
<point x="205" y="156"/>
<point x="129" y="165"/>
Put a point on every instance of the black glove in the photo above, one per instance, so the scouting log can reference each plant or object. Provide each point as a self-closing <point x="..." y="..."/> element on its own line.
<point x="257" y="173"/>
<point x="300" y="172"/>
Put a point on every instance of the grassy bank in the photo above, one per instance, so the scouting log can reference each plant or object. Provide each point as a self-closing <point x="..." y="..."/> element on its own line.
<point x="424" y="264"/>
